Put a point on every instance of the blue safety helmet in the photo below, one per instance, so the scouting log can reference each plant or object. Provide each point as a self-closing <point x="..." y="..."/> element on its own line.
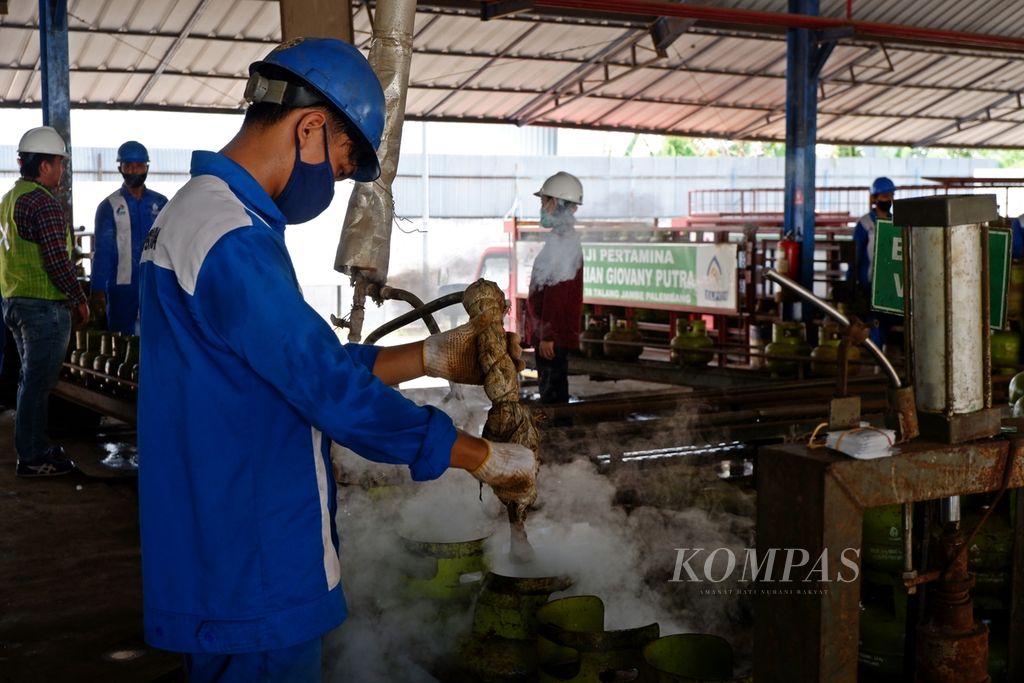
<point x="337" y="74"/>
<point x="882" y="185"/>
<point x="132" y="152"/>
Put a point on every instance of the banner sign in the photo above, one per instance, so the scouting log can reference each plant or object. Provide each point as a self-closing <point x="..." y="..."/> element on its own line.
<point x="660" y="275"/>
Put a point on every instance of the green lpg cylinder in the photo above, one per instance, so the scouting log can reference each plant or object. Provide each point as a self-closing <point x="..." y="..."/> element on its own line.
<point x="118" y="350"/>
<point x="1016" y="389"/>
<point x="80" y="346"/>
<point x="624" y="342"/>
<point x="1015" y="293"/>
<point x="573" y="645"/>
<point x="990" y="558"/>
<point x="882" y="544"/>
<point x="1015" y="394"/>
<point x="882" y="633"/>
<point x="592" y="337"/>
<point x="88" y="355"/>
<point x="448" y="573"/>
<point x="131" y="359"/>
<point x="502" y="647"/>
<point x="789" y="340"/>
<point x="689" y="347"/>
<point x="692" y="658"/>
<point x="824" y="357"/>
<point x="1005" y="352"/>
<point x="998" y="652"/>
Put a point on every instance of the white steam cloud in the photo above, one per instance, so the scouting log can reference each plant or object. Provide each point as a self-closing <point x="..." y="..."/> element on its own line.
<point x="624" y="556"/>
<point x="561" y="256"/>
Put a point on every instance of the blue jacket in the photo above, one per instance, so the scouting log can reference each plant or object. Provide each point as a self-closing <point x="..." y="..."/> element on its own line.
<point x="1017" y="234"/>
<point x="243" y="386"/>
<point x="864" y="241"/>
<point x="122" y="223"/>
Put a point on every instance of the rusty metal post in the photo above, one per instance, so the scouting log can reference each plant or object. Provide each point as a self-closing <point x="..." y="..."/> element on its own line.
<point x="810" y="635"/>
<point x="902" y="415"/>
<point x="1015" y="665"/>
<point x="842" y="370"/>
<point x="951" y="646"/>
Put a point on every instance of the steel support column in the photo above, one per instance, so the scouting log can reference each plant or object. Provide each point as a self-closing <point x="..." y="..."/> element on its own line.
<point x="55" y="70"/>
<point x="801" y="136"/>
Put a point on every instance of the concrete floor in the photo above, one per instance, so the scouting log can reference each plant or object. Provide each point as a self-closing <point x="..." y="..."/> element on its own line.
<point x="70" y="574"/>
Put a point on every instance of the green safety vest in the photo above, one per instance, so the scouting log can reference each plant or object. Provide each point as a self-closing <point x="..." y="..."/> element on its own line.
<point x="21" y="262"/>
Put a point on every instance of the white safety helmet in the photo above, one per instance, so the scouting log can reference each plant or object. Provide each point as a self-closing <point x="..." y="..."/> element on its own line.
<point x="42" y="140"/>
<point x="562" y="185"/>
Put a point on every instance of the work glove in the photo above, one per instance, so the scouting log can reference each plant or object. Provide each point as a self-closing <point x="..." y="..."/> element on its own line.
<point x="453" y="355"/>
<point x="511" y="471"/>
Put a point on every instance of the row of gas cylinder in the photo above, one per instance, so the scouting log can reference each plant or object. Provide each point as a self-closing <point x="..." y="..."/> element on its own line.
<point x="883" y="616"/>
<point x="519" y="633"/>
<point x="104" y="360"/>
<point x="611" y="338"/>
<point x="693" y="347"/>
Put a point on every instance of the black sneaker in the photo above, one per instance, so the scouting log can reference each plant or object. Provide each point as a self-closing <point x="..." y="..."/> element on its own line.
<point x="56" y="454"/>
<point x="47" y="468"/>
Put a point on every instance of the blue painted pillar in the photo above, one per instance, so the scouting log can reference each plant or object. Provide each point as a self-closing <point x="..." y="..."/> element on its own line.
<point x="56" y="76"/>
<point x="801" y="136"/>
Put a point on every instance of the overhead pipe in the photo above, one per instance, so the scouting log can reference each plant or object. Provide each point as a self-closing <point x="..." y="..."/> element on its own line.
<point x="758" y="19"/>
<point x="364" y="249"/>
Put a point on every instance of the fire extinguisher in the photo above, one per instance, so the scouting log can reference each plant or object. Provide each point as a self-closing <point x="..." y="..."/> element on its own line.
<point x="788" y="260"/>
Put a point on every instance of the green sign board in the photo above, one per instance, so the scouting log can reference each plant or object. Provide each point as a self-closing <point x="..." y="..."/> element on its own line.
<point x="662" y="275"/>
<point x="887" y="280"/>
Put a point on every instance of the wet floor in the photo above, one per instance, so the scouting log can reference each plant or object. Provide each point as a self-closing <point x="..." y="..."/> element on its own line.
<point x="70" y="574"/>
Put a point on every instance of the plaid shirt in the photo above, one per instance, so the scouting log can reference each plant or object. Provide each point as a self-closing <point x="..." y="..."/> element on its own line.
<point x="40" y="219"/>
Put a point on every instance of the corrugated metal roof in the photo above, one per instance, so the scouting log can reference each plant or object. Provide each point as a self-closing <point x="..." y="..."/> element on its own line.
<point x="567" y="68"/>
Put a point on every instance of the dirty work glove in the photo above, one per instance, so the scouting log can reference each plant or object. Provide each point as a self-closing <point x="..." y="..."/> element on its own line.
<point x="511" y="470"/>
<point x="453" y="355"/>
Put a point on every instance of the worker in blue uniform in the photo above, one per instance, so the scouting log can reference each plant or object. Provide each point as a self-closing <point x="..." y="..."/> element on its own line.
<point x="1017" y="235"/>
<point x="122" y="222"/>
<point x="860" y="273"/>
<point x="244" y="386"/>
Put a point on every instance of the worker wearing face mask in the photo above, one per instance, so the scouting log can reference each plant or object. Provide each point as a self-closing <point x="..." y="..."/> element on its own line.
<point x="244" y="386"/>
<point x="122" y="222"/>
<point x="862" y="269"/>
<point x="555" y="299"/>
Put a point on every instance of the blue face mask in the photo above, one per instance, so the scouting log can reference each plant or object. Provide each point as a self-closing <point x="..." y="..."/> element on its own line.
<point x="309" y="190"/>
<point x="546" y="219"/>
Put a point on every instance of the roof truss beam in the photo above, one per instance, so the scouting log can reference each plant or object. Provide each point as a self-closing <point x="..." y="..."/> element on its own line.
<point x="186" y="30"/>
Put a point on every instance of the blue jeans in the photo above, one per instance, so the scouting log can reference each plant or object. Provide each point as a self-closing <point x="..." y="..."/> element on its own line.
<point x="41" y="330"/>
<point x="296" y="664"/>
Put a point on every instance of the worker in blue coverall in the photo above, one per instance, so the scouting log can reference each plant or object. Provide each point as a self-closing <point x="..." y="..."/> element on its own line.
<point x="1017" y="234"/>
<point x="244" y="386"/>
<point x="882" y="191"/>
<point x="122" y="222"/>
